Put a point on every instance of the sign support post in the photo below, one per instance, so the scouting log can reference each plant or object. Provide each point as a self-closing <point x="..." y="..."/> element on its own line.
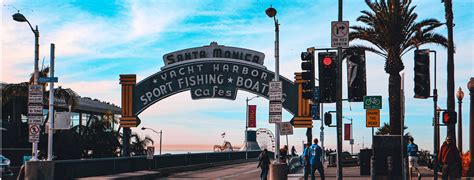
<point x="51" y="107"/>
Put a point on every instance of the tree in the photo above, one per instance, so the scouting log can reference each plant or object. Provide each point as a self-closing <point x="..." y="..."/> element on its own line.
<point x="386" y="130"/>
<point x="138" y="144"/>
<point x="392" y="30"/>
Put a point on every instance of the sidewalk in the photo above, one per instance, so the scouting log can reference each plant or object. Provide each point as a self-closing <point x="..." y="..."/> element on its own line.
<point x="354" y="173"/>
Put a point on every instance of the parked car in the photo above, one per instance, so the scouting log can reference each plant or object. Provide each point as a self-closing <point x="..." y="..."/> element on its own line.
<point x="347" y="159"/>
<point x="5" y="166"/>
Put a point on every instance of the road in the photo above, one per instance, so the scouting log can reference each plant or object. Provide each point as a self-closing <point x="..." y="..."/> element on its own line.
<point x="229" y="172"/>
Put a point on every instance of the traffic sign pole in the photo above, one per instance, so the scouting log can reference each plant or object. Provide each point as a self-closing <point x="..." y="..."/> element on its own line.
<point x="51" y="107"/>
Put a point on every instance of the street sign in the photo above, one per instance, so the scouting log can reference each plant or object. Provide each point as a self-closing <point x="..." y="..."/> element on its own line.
<point x="286" y="128"/>
<point x="150" y="152"/>
<point x="275" y="91"/>
<point x="372" y="102"/>
<point x="372" y="118"/>
<point x="62" y="120"/>
<point x="275" y="118"/>
<point x="275" y="107"/>
<point x="35" y="119"/>
<point x="340" y="34"/>
<point x="34" y="131"/>
<point x="35" y="94"/>
<point x="47" y="79"/>
<point x="35" y="109"/>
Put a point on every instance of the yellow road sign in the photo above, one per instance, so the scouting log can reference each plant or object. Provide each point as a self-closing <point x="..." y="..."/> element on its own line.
<point x="372" y="118"/>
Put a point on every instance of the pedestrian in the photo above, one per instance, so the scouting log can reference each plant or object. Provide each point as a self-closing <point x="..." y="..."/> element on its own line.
<point x="315" y="153"/>
<point x="264" y="164"/>
<point x="306" y="161"/>
<point x="293" y="151"/>
<point x="284" y="154"/>
<point x="412" y="151"/>
<point x="450" y="160"/>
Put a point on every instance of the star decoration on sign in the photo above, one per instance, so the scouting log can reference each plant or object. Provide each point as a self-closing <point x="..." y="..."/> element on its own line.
<point x="155" y="81"/>
<point x="229" y="80"/>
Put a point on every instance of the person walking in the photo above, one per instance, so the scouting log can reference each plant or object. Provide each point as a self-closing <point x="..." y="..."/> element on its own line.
<point x="450" y="160"/>
<point x="412" y="151"/>
<point x="293" y="151"/>
<point x="264" y="164"/>
<point x="315" y="153"/>
<point x="306" y="161"/>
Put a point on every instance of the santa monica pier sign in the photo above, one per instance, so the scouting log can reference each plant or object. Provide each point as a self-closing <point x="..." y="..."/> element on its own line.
<point x="213" y="71"/>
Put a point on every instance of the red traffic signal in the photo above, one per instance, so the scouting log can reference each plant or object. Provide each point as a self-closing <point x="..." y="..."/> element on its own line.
<point x="449" y="117"/>
<point x="327" y="61"/>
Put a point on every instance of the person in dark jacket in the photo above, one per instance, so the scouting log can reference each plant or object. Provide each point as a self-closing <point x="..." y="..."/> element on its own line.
<point x="264" y="164"/>
<point x="450" y="160"/>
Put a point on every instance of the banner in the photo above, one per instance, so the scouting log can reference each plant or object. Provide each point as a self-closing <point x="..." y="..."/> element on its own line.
<point x="347" y="132"/>
<point x="252" y="116"/>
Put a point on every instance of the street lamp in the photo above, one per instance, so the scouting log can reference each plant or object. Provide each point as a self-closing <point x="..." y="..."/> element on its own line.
<point x="159" y="133"/>
<point x="247" y="123"/>
<point x="21" y="18"/>
<point x="470" y="86"/>
<point x="460" y="96"/>
<point x="271" y="12"/>
<point x="351" y="141"/>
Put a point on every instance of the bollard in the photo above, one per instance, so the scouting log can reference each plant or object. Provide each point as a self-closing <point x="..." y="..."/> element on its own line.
<point x="278" y="171"/>
<point x="389" y="166"/>
<point x="372" y="168"/>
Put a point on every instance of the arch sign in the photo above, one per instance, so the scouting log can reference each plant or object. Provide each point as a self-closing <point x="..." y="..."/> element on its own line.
<point x="213" y="71"/>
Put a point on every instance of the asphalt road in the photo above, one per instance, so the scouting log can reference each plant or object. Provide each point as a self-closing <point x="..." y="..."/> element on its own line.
<point x="236" y="171"/>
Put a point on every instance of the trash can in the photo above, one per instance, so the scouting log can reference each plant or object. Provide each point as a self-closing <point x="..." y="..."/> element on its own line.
<point x="364" y="161"/>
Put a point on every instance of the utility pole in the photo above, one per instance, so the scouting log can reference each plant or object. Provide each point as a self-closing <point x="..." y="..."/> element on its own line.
<point x="339" y="102"/>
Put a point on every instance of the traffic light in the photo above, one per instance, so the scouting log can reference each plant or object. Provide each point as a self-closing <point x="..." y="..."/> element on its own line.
<point x="327" y="118"/>
<point x="422" y="73"/>
<point x="449" y="117"/>
<point x="307" y="65"/>
<point x="327" y="76"/>
<point x="356" y="76"/>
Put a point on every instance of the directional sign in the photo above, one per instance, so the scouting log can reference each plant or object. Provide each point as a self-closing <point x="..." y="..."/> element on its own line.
<point x="286" y="128"/>
<point x="34" y="131"/>
<point x="47" y="79"/>
<point x="35" y="109"/>
<point x="35" y="94"/>
<point x="372" y="118"/>
<point x="35" y="119"/>
<point x="150" y="151"/>
<point x="340" y="34"/>
<point x="372" y="102"/>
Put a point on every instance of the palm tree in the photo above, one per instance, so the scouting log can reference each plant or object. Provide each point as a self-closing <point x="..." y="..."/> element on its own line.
<point x="392" y="30"/>
<point x="138" y="144"/>
<point x="386" y="129"/>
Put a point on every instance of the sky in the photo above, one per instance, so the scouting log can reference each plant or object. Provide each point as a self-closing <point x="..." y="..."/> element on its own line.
<point x="96" y="41"/>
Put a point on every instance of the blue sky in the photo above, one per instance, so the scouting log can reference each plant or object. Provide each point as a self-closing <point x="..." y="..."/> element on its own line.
<point x="98" y="40"/>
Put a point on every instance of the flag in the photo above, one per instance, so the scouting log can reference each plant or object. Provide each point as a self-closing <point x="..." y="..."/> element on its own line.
<point x="223" y="134"/>
<point x="252" y="113"/>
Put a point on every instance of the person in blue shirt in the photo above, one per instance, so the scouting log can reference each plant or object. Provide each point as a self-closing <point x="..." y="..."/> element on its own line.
<point x="315" y="152"/>
<point x="412" y="151"/>
<point x="305" y="159"/>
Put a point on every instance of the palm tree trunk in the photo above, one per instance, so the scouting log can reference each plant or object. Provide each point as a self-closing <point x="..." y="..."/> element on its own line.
<point x="394" y="85"/>
<point x="450" y="86"/>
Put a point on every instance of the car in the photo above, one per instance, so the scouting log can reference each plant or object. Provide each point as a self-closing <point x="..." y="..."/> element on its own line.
<point x="347" y="159"/>
<point x="5" y="166"/>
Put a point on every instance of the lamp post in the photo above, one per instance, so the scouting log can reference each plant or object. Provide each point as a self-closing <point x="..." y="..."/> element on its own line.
<point x="247" y="123"/>
<point x="21" y="18"/>
<point x="460" y="96"/>
<point x="271" y="12"/>
<point x="159" y="133"/>
<point x="470" y="86"/>
<point x="351" y="141"/>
